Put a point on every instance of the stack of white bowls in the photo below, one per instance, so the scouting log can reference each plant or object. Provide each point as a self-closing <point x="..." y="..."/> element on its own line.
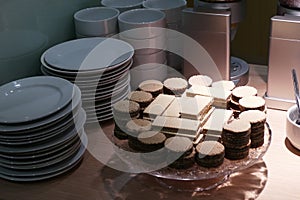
<point x="144" y="29"/>
<point x="98" y="66"/>
<point x="122" y="5"/>
<point x="41" y="128"/>
<point x="172" y="9"/>
<point x="96" y="22"/>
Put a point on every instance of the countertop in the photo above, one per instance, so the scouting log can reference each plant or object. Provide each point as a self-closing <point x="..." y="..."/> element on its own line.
<point x="276" y="176"/>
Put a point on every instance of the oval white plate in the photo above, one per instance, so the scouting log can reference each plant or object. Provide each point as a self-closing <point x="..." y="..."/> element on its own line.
<point x="33" y="98"/>
<point x="89" y="54"/>
<point x="40" y="124"/>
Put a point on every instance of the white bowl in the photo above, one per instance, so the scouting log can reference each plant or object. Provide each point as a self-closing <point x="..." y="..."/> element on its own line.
<point x="123" y="5"/>
<point x="293" y="129"/>
<point x="146" y="46"/>
<point x="79" y="36"/>
<point x="96" y="21"/>
<point x="141" y="23"/>
<point x="172" y="8"/>
<point x="157" y="57"/>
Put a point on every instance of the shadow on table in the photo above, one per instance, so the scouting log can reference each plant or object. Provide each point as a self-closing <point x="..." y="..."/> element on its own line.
<point x="291" y="148"/>
<point x="246" y="184"/>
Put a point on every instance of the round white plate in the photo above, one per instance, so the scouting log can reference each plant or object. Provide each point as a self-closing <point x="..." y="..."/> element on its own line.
<point x="106" y="94"/>
<point x="34" y="160"/>
<point x="78" y="122"/>
<point x="21" y="150"/>
<point x="123" y="81"/>
<point x="33" y="98"/>
<point x="57" y="158"/>
<point x="36" y="156"/>
<point x="99" y="119"/>
<point x="59" y="126"/>
<point x="106" y="103"/>
<point x="47" y="172"/>
<point x="84" y="74"/>
<point x="89" y="54"/>
<point x="40" y="124"/>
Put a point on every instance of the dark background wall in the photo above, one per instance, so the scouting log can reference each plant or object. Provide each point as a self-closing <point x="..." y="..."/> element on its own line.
<point x="252" y="40"/>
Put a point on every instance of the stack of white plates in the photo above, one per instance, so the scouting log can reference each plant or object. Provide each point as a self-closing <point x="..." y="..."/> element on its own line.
<point x="98" y="66"/>
<point x="41" y="128"/>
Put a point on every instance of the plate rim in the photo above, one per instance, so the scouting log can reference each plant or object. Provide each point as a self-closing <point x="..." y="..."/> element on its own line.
<point x="64" y="87"/>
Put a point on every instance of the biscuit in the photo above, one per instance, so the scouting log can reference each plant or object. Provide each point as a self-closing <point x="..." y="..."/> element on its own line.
<point x="141" y="97"/>
<point x="136" y="126"/>
<point x="243" y="91"/>
<point x="154" y="87"/>
<point x="149" y="141"/>
<point x="180" y="152"/>
<point x="175" y="86"/>
<point x="236" y="134"/>
<point x="226" y="85"/>
<point x="252" y="103"/>
<point x="210" y="154"/>
<point x="200" y="80"/>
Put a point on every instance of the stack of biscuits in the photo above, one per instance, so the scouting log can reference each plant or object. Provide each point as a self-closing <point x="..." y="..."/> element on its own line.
<point x="223" y="84"/>
<point x="220" y="96"/>
<point x="239" y="93"/>
<point x="177" y="126"/>
<point x="189" y="107"/>
<point x="148" y="141"/>
<point x="154" y="87"/>
<point x="135" y="126"/>
<point x="124" y="111"/>
<point x="175" y="86"/>
<point x="257" y="120"/>
<point x="252" y="103"/>
<point x="210" y="154"/>
<point x="158" y="106"/>
<point x="142" y="98"/>
<point x="236" y="139"/>
<point x="200" y="80"/>
<point x="180" y="151"/>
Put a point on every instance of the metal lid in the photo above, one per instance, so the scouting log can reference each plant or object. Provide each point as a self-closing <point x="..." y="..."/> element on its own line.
<point x="283" y="10"/>
<point x="239" y="71"/>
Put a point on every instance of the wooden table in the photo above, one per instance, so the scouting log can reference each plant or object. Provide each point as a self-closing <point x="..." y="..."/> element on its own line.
<point x="275" y="177"/>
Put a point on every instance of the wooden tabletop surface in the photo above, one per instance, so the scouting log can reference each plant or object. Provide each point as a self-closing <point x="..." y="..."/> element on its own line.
<point x="276" y="176"/>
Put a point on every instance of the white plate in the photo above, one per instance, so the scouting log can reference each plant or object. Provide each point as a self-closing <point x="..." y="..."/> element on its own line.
<point x="40" y="159"/>
<point x="89" y="54"/>
<point x="84" y="74"/>
<point x="99" y="119"/>
<point x="107" y="103"/>
<point x="90" y="79"/>
<point x="123" y="81"/>
<point x="106" y="96"/>
<point x="53" y="160"/>
<point x="40" y="124"/>
<point x="7" y="150"/>
<point x="33" y="98"/>
<point x="78" y="122"/>
<point x="36" y="156"/>
<point x="48" y="172"/>
<point x="60" y="126"/>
